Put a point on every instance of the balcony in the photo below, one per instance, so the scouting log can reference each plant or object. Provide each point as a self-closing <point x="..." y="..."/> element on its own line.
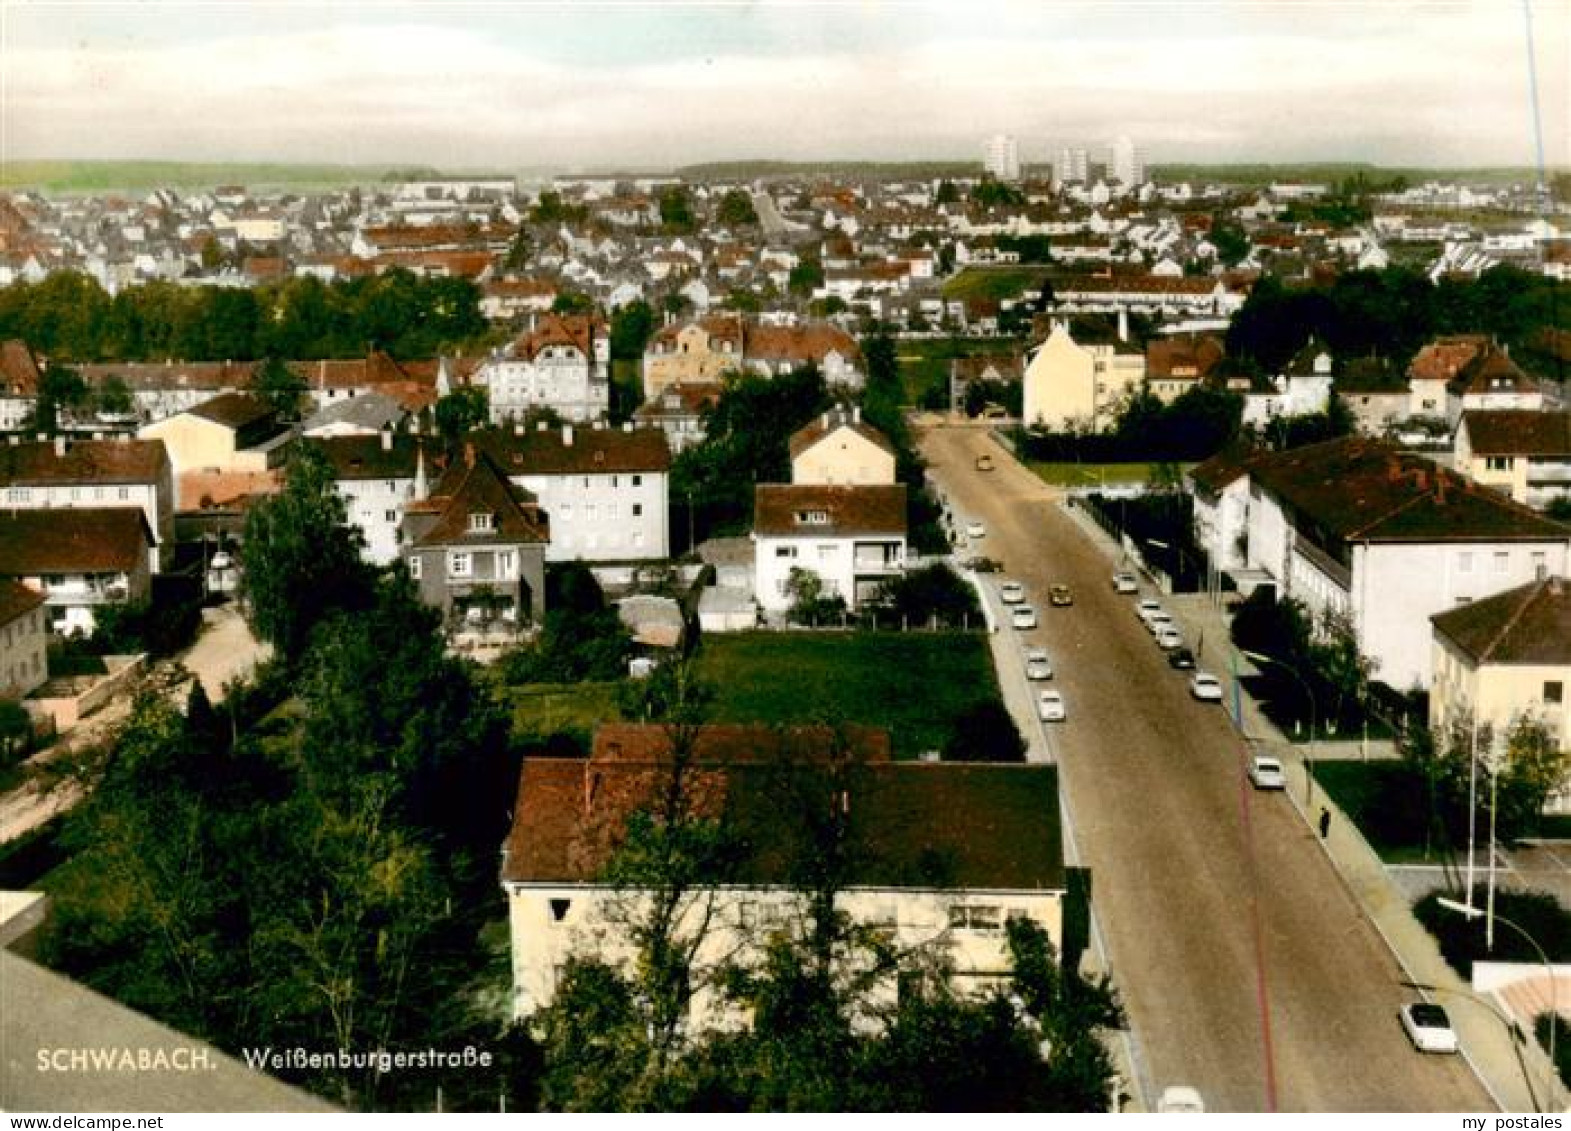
<point x="88" y="591"/>
<point x="882" y="561"/>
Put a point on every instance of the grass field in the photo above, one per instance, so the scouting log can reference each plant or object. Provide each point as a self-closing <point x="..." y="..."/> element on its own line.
<point x="914" y="683"/>
<point x="539" y="710"/>
<point x="995" y="282"/>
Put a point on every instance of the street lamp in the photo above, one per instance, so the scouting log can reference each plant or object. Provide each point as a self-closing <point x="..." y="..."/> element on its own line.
<point x="1513" y="1029"/>
<point x="1309" y="756"/>
<point x="1467" y="910"/>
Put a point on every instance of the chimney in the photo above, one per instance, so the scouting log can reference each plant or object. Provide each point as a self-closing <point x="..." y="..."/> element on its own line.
<point x="826" y="422"/>
<point x="59" y="447"/>
<point x="567" y="435"/>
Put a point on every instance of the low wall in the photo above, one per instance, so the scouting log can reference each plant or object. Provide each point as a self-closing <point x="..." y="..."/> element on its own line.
<point x="66" y="710"/>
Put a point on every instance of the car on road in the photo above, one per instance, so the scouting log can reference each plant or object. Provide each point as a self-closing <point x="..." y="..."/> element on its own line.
<point x="1265" y="772"/>
<point x="1146" y="606"/>
<point x="1011" y="592"/>
<point x="1205" y="687"/>
<point x="975" y="530"/>
<point x="1181" y="658"/>
<point x="1060" y="596"/>
<point x="1050" y="706"/>
<point x="1124" y="582"/>
<point x="982" y="565"/>
<point x="1159" y="620"/>
<point x="1168" y="638"/>
<point x="1179" y="1099"/>
<point x="984" y="462"/>
<point x="1428" y="1027"/>
<point x="1023" y="616"/>
<point x="1038" y="666"/>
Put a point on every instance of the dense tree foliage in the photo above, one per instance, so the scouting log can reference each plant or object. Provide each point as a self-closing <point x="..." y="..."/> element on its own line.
<point x="676" y="211"/>
<point x="990" y="193"/>
<point x="69" y="317"/>
<point x="582" y="638"/>
<point x="736" y="209"/>
<point x="632" y="325"/>
<point x="465" y="408"/>
<point x="985" y="732"/>
<point x="280" y="388"/>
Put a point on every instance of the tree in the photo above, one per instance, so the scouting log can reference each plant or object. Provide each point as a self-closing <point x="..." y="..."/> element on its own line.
<point x="61" y="390"/>
<point x="113" y="397"/>
<point x="985" y="732"/>
<point x="519" y="252"/>
<point x="736" y="209"/>
<point x="947" y="193"/>
<point x="676" y="210"/>
<point x="806" y="277"/>
<point x="279" y="387"/>
<point x="933" y="593"/>
<point x="461" y="411"/>
<point x="632" y="325"/>
<point x="16" y="731"/>
<point x="300" y="558"/>
<point x="572" y="302"/>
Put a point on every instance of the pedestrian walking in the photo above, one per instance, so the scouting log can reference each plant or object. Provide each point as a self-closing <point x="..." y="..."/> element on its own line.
<point x="1325" y="822"/>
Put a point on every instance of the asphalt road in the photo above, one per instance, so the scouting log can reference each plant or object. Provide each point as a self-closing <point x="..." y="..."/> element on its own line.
<point x="1246" y="968"/>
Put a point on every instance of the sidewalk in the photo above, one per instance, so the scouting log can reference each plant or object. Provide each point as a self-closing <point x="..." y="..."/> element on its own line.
<point x="1486" y="1042"/>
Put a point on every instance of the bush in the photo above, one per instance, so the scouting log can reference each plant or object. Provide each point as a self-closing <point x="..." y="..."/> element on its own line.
<point x="985" y="732"/>
<point x="1543" y="1025"/>
<point x="934" y="592"/>
<point x="1461" y="939"/>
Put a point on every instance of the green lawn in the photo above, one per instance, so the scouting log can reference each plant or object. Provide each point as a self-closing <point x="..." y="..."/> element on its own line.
<point x="540" y="710"/>
<point x="924" y="362"/>
<point x="914" y="683"/>
<point x="1090" y="474"/>
<point x="995" y="282"/>
<point x="1385" y="799"/>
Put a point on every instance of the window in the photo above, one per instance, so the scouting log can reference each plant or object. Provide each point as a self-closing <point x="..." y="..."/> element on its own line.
<point x="785" y="551"/>
<point x="638" y="510"/>
<point x="638" y="481"/>
<point x="414" y="566"/>
<point x="812" y="518"/>
<point x="480" y="522"/>
<point x="1540" y="563"/>
<point x="1554" y="691"/>
<point x="1502" y="561"/>
<point x="389" y="516"/>
<point x="975" y="918"/>
<point x="1464" y="562"/>
<point x="458" y="565"/>
<point x="1498" y="463"/>
<point x="559" y="909"/>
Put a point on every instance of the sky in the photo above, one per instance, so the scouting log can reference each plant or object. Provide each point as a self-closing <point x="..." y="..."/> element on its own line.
<point x="512" y="84"/>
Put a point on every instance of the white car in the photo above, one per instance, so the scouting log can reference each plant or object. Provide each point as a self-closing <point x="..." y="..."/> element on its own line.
<point x="1146" y="606"/>
<point x="1205" y="687"/>
<point x="1159" y="620"/>
<point x="1038" y="666"/>
<point x="1050" y="706"/>
<point x="976" y="530"/>
<point x="1168" y="638"/>
<point x="1180" y="1100"/>
<point x="1023" y="616"/>
<point x="1428" y="1027"/>
<point x="1011" y="592"/>
<point x="1265" y="772"/>
<point x="1124" y="582"/>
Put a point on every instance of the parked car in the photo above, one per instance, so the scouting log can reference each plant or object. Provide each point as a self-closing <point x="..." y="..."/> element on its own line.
<point x="975" y="530"/>
<point x="1146" y="606"/>
<point x="1059" y="596"/>
<point x="1428" y="1027"/>
<point x="1205" y="687"/>
<point x="1181" y="658"/>
<point x="1124" y="582"/>
<point x="984" y="462"/>
<point x="1159" y="620"/>
<point x="1050" y="706"/>
<point x="1011" y="592"/>
<point x="1266" y="772"/>
<point x="1023" y="616"/>
<point x="1038" y="666"/>
<point x="1179" y="1099"/>
<point x="982" y="565"/>
<point x="1168" y="638"/>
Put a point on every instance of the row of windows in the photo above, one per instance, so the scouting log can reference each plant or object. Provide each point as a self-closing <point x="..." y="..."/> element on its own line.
<point x="74" y="494"/>
<point x="25" y="627"/>
<point x="1499" y="559"/>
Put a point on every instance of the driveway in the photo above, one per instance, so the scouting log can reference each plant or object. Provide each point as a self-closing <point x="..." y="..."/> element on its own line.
<point x="225" y="651"/>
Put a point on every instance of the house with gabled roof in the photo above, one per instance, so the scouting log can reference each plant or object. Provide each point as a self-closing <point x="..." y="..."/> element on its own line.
<point x="679" y="412"/>
<point x="1491" y="380"/>
<point x="839" y="447"/>
<point x="852" y="538"/>
<point x="475" y="546"/>
<point x="378" y="476"/>
<point x="1434" y="367"/>
<point x="1385" y="539"/>
<point x="944" y="854"/>
<point x="1302" y="388"/>
<point x="1523" y="453"/>
<point x="19" y="375"/>
<point x="1177" y="363"/>
<point x="231" y="434"/>
<point x="1080" y="376"/>
<point x="1505" y="658"/>
<point x="64" y="473"/>
<point x="79" y="559"/>
<point x="24" y="635"/>
<point x="561" y="364"/>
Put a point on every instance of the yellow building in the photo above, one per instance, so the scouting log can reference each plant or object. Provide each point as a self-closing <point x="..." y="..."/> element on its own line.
<point x="693" y="352"/>
<point x="839" y="449"/>
<point x="1506" y="657"/>
<point x="1080" y="379"/>
<point x="1523" y="453"/>
<point x="232" y="435"/>
<point x="944" y="854"/>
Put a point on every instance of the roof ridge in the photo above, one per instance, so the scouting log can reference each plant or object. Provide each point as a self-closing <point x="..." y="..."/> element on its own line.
<point x="1528" y="597"/>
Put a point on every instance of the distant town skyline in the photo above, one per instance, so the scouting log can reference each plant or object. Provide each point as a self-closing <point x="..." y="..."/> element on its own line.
<point x="598" y="85"/>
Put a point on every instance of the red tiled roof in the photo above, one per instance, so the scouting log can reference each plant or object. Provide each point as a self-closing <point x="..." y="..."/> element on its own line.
<point x="1196" y="355"/>
<point x="799" y="344"/>
<point x="1530" y="625"/>
<point x="17" y="600"/>
<point x="1518" y="432"/>
<point x="471" y="485"/>
<point x="233" y="410"/>
<point x="872" y="509"/>
<point x="83" y="461"/>
<point x="827" y="424"/>
<point x="18" y="370"/>
<point x="573" y="330"/>
<point x="1443" y="358"/>
<point x="73" y="540"/>
<point x="591" y="451"/>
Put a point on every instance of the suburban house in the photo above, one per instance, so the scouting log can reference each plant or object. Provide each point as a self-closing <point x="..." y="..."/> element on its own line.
<point x="699" y="352"/>
<point x="61" y="473"/>
<point x="1504" y="657"/>
<point x="1303" y="388"/>
<point x="853" y="538"/>
<point x="562" y="364"/>
<point x="1219" y="487"/>
<point x="840" y="448"/>
<point x="1080" y="378"/>
<point x="161" y="389"/>
<point x="19" y="376"/>
<point x="707" y="349"/>
<point x="232" y="434"/>
<point x="1387" y="539"/>
<point x="414" y="384"/>
<point x="79" y="559"/>
<point x="1491" y="380"/>
<point x="1177" y="295"/>
<point x="944" y="854"/>
<point x="1374" y="393"/>
<point x="778" y="350"/>
<point x="365" y="415"/>
<point x="475" y="546"/>
<point x="679" y="413"/>
<point x="998" y="369"/>
<point x="378" y="477"/>
<point x="1523" y="453"/>
<point x="1174" y="365"/>
<point x="1434" y="368"/>
<point x="605" y="490"/>
<point x="24" y="633"/>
